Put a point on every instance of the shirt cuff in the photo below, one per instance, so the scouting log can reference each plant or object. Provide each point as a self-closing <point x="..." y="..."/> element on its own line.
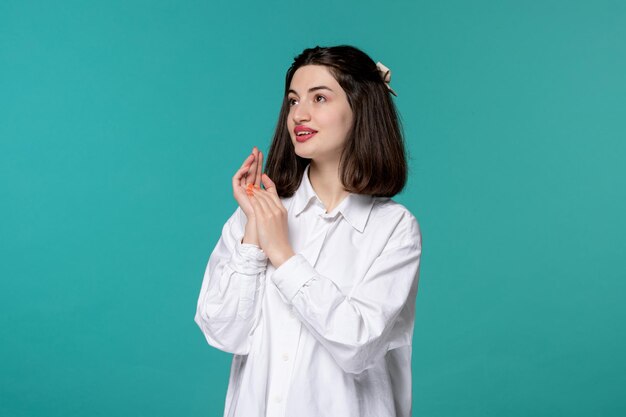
<point x="248" y="259"/>
<point x="292" y="275"/>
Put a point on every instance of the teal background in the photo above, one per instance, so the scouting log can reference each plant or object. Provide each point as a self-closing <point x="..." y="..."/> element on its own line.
<point x="122" y="122"/>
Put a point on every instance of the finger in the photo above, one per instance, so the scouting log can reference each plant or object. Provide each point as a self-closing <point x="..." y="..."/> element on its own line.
<point x="259" y="171"/>
<point x="242" y="181"/>
<point x="251" y="168"/>
<point x="273" y="203"/>
<point x="244" y="168"/>
<point x="263" y="201"/>
<point x="246" y="162"/>
<point x="250" y="178"/>
<point x="274" y="198"/>
<point x="269" y="184"/>
<point x="256" y="206"/>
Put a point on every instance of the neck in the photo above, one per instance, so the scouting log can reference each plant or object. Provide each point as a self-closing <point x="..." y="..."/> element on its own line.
<point x="324" y="178"/>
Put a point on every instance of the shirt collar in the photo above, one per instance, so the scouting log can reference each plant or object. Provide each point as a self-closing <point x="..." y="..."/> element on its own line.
<point x="355" y="208"/>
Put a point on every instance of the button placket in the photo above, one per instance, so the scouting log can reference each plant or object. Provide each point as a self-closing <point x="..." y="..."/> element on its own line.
<point x="291" y="328"/>
<point x="283" y="355"/>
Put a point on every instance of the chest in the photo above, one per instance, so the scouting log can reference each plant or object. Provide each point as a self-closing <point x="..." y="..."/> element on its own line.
<point x="334" y="248"/>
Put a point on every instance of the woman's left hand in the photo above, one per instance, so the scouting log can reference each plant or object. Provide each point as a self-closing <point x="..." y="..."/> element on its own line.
<point x="271" y="222"/>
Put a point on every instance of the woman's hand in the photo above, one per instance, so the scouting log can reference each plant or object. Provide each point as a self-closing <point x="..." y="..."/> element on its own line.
<point x="271" y="222"/>
<point x="249" y="175"/>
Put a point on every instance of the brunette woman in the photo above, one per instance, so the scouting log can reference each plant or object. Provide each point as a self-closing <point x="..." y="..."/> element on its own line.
<point x="312" y="283"/>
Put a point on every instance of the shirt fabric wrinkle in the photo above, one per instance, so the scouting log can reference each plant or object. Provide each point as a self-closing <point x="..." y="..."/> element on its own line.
<point x="324" y="328"/>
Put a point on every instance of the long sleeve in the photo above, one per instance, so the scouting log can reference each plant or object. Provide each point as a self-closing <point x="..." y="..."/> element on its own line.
<point x="229" y="302"/>
<point x="358" y="328"/>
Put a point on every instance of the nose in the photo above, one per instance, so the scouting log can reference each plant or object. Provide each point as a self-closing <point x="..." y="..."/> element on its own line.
<point x="300" y="113"/>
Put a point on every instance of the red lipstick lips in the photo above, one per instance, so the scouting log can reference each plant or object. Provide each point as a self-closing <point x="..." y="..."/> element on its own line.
<point x="304" y="133"/>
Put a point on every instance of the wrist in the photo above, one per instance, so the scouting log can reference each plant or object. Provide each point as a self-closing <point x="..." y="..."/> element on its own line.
<point x="250" y="234"/>
<point x="281" y="256"/>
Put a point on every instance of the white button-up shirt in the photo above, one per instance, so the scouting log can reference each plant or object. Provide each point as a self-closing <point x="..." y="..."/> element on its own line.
<point x="329" y="332"/>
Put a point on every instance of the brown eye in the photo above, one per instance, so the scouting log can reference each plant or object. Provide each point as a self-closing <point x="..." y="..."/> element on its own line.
<point x="291" y="101"/>
<point x="317" y="97"/>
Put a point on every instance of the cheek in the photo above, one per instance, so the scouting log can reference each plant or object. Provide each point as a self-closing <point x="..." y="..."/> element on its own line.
<point x="347" y="121"/>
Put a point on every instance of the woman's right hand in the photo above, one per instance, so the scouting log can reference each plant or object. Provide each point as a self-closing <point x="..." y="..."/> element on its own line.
<point x="249" y="173"/>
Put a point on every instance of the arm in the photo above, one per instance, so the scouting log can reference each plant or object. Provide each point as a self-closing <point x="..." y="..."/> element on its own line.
<point x="357" y="328"/>
<point x="229" y="302"/>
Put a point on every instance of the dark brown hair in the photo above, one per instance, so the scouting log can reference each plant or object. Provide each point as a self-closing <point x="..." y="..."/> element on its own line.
<point x="373" y="160"/>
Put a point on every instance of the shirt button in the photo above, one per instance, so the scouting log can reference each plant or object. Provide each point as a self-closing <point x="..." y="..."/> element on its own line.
<point x="278" y="398"/>
<point x="285" y="357"/>
<point x="292" y="314"/>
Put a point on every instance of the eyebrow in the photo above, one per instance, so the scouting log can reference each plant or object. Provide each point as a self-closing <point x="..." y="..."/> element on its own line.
<point x="319" y="87"/>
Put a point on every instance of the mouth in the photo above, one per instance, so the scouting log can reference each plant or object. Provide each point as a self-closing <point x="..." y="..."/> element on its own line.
<point x="304" y="134"/>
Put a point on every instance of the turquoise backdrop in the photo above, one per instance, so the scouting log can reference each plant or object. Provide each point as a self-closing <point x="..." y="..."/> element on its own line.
<point x="122" y="122"/>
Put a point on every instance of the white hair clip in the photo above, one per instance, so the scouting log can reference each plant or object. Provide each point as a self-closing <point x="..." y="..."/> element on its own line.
<point x="385" y="74"/>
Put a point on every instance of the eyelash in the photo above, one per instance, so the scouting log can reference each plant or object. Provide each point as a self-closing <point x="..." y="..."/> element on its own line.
<point x="290" y="101"/>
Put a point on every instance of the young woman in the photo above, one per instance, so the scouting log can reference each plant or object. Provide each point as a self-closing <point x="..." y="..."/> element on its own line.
<point x="313" y="281"/>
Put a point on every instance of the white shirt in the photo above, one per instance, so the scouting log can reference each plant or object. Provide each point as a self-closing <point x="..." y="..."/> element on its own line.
<point x="329" y="332"/>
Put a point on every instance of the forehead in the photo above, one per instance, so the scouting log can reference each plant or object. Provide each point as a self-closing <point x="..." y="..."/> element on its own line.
<point x="309" y="76"/>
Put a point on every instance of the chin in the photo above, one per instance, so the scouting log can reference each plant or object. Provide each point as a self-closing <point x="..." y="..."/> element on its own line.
<point x="305" y="155"/>
<point x="299" y="149"/>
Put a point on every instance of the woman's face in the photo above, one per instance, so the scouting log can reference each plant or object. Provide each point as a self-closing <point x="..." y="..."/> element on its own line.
<point x="319" y="114"/>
